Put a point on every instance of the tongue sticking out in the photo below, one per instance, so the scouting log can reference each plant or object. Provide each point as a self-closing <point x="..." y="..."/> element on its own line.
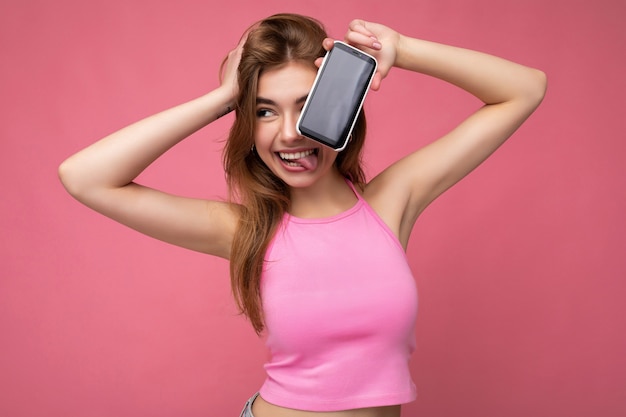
<point x="309" y="162"/>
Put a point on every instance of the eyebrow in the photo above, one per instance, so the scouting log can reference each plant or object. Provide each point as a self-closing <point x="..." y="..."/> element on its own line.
<point x="262" y="100"/>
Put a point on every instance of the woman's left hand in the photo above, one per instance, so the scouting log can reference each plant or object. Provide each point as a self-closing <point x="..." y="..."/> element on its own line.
<point x="377" y="40"/>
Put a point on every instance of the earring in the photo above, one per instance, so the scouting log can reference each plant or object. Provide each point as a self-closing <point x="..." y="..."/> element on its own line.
<point x="252" y="148"/>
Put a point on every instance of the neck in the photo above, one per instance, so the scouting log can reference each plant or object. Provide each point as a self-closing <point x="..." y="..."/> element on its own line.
<point x="327" y="197"/>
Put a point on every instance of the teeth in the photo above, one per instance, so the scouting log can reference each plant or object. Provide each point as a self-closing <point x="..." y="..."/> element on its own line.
<point x="294" y="155"/>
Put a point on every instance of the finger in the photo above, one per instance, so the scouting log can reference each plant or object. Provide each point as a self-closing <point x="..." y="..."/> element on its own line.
<point x="358" y="25"/>
<point x="376" y="81"/>
<point x="360" y="39"/>
<point x="328" y="43"/>
<point x="361" y="26"/>
<point x="244" y="36"/>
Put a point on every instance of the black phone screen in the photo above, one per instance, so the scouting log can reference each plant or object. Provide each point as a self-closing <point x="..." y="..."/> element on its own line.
<point x="337" y="96"/>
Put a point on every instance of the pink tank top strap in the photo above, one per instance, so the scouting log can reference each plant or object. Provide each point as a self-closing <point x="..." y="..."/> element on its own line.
<point x="353" y="188"/>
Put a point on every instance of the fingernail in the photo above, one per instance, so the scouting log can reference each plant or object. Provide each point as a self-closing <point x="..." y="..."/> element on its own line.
<point x="377" y="45"/>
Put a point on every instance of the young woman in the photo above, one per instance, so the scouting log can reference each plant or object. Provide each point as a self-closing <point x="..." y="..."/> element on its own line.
<point x="317" y="253"/>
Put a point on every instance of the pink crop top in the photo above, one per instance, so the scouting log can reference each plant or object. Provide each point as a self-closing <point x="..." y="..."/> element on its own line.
<point x="340" y="305"/>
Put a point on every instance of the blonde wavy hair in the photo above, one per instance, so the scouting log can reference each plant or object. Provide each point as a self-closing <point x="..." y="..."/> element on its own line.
<point x="262" y="197"/>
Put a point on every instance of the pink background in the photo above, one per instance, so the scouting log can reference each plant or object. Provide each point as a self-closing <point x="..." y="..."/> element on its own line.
<point x="520" y="267"/>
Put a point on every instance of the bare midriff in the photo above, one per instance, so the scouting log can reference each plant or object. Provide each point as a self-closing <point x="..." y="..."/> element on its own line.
<point x="261" y="408"/>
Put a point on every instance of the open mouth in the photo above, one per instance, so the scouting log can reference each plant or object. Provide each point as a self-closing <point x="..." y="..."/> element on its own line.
<point x="299" y="159"/>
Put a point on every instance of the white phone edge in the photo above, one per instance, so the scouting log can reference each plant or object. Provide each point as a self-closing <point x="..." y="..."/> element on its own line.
<point x="318" y="76"/>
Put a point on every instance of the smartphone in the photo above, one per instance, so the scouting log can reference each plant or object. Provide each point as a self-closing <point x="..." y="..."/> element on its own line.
<point x="337" y="96"/>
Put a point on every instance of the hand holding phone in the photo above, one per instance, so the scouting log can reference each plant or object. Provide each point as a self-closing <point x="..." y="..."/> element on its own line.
<point x="337" y="96"/>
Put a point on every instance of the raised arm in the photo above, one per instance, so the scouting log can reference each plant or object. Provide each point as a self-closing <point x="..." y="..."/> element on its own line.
<point x="101" y="176"/>
<point x="511" y="92"/>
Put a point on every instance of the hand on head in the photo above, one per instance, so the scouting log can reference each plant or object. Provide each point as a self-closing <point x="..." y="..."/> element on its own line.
<point x="228" y="70"/>
<point x="374" y="39"/>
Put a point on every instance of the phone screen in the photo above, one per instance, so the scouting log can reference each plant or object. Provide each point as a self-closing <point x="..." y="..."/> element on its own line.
<point x="337" y="95"/>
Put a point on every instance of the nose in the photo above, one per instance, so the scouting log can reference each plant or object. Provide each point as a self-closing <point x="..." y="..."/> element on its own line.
<point x="289" y="133"/>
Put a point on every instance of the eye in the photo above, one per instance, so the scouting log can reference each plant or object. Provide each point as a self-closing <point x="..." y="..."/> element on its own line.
<point x="262" y="113"/>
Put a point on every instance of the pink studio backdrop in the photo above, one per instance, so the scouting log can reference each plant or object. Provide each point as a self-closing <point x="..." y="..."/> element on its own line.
<point x="520" y="267"/>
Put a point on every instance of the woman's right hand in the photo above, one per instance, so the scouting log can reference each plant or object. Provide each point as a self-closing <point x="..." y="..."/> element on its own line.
<point x="102" y="176"/>
<point x="228" y="71"/>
